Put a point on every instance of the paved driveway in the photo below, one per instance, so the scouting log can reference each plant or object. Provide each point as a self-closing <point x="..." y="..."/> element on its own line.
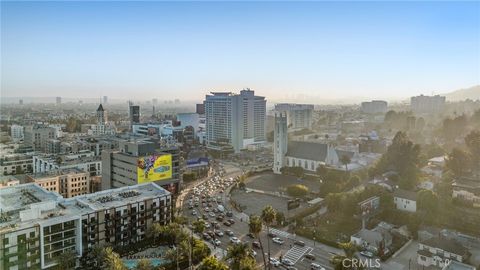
<point x="407" y="256"/>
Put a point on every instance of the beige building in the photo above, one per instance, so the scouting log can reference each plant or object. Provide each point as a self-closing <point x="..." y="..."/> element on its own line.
<point x="68" y="182"/>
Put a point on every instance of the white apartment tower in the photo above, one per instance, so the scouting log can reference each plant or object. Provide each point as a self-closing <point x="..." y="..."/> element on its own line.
<point x="16" y="132"/>
<point x="299" y="116"/>
<point x="427" y="104"/>
<point x="280" y="141"/>
<point x="233" y="119"/>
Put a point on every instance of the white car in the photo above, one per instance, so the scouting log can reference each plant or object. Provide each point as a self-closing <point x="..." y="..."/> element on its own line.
<point x="219" y="233"/>
<point x="278" y="240"/>
<point x="211" y="214"/>
<point x="194" y="213"/>
<point x="287" y="262"/>
<point x="316" y="266"/>
<point x="274" y="262"/>
<point x="235" y="240"/>
<point x="217" y="242"/>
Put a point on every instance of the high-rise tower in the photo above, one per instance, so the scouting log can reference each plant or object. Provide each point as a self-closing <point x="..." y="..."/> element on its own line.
<point x="280" y="141"/>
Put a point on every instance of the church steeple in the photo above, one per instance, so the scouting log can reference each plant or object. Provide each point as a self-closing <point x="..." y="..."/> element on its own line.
<point x="101" y="115"/>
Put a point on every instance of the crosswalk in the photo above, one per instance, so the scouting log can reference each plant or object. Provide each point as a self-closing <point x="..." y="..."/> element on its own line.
<point x="296" y="252"/>
<point x="281" y="233"/>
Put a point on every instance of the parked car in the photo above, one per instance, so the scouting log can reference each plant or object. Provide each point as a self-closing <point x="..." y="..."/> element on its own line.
<point x="235" y="240"/>
<point x="274" y="262"/>
<point x="287" y="262"/>
<point x="367" y="254"/>
<point x="231" y="221"/>
<point x="226" y="223"/>
<point x="251" y="235"/>
<point x="316" y="266"/>
<point x="256" y="244"/>
<point x="299" y="243"/>
<point x="219" y="233"/>
<point x="229" y="214"/>
<point x="278" y="240"/>
<point x="310" y="256"/>
<point x="272" y="235"/>
<point x="217" y="242"/>
<point x="229" y="232"/>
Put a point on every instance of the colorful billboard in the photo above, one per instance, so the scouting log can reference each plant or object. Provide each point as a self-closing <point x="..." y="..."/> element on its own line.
<point x="154" y="168"/>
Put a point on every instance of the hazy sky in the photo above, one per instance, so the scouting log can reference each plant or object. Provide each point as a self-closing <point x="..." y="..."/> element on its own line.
<point x="183" y="50"/>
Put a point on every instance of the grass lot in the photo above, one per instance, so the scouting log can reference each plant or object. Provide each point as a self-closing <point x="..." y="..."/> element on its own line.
<point x="331" y="227"/>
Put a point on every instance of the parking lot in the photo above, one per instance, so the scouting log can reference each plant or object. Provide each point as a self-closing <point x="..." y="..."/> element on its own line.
<point x="253" y="203"/>
<point x="278" y="182"/>
<point x="203" y="200"/>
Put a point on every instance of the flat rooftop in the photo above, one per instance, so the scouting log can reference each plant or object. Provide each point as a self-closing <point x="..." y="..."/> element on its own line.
<point x="26" y="205"/>
<point x="56" y="172"/>
<point x="121" y="196"/>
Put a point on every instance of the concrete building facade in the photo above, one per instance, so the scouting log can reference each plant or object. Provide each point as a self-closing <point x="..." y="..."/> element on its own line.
<point x="237" y="120"/>
<point x="36" y="136"/>
<point x="280" y="141"/>
<point x="299" y="116"/>
<point x="68" y="182"/>
<point x="120" y="166"/>
<point x="41" y="225"/>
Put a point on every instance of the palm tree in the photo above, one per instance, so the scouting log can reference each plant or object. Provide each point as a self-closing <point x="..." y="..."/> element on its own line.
<point x="200" y="250"/>
<point x="237" y="252"/>
<point x="211" y="263"/>
<point x="268" y="216"/>
<point x="248" y="263"/>
<point x="199" y="226"/>
<point x="113" y="260"/>
<point x="155" y="231"/>
<point x="345" y="160"/>
<point x="66" y="260"/>
<point x="255" y="227"/>
<point x="144" y="264"/>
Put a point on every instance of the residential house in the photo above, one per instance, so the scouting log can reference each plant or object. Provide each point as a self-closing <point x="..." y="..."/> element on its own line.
<point x="405" y="200"/>
<point x="439" y="251"/>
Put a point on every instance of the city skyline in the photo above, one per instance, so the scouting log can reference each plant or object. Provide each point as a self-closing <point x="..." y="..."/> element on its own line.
<point x="282" y="50"/>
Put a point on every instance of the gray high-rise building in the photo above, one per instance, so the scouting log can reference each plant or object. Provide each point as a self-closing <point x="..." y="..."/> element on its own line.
<point x="131" y="165"/>
<point x="58" y="100"/>
<point x="134" y="114"/>
<point x="237" y="120"/>
<point x="105" y="99"/>
<point x="299" y="116"/>
<point x="37" y="136"/>
<point x="374" y="106"/>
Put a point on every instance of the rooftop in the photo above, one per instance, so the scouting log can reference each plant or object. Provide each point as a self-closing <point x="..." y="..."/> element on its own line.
<point x="25" y="205"/>
<point x="402" y="193"/>
<point x="121" y="196"/>
<point x="446" y="245"/>
<point x="56" y="173"/>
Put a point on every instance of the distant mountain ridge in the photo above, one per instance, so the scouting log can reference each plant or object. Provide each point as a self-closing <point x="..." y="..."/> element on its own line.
<point x="466" y="93"/>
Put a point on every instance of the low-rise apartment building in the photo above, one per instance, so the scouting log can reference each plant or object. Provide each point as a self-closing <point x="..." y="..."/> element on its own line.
<point x="37" y="226"/>
<point x="67" y="182"/>
<point x="16" y="164"/>
<point x="437" y="252"/>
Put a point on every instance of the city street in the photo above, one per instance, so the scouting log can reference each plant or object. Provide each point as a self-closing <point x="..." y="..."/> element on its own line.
<point x="318" y="253"/>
